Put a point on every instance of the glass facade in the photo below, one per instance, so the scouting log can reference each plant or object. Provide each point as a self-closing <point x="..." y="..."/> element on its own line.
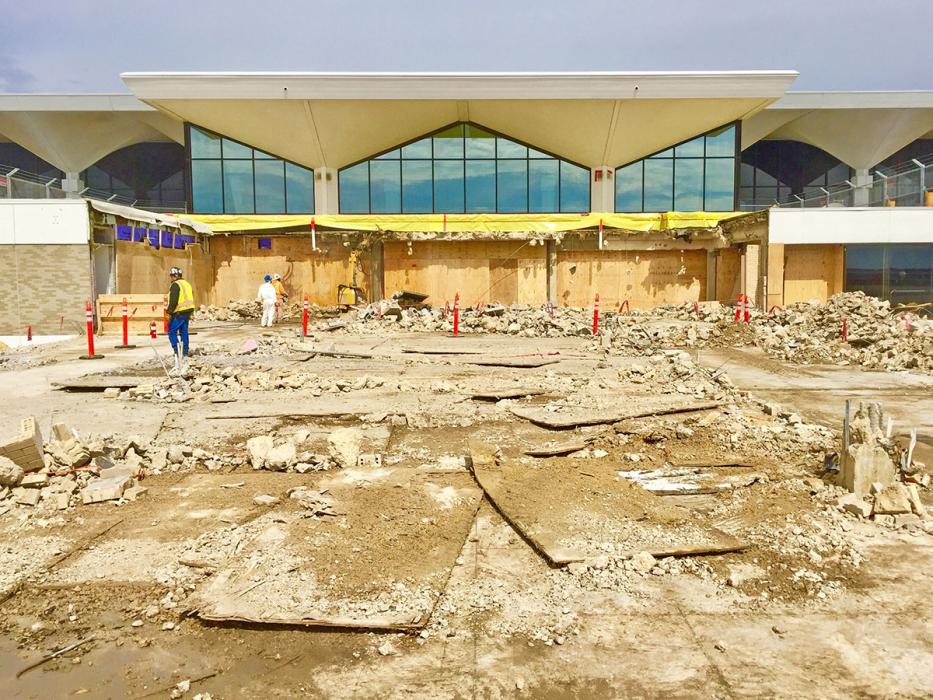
<point x="774" y="171"/>
<point x="229" y="177"/>
<point x="696" y="175"/>
<point x="14" y="155"/>
<point x="149" y="174"/>
<point x="464" y="169"/>
<point x="902" y="274"/>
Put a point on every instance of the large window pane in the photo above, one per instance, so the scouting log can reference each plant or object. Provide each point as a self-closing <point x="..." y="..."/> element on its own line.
<point x="385" y="187"/>
<point x="512" y="186"/>
<point x="238" y="187"/>
<point x="865" y="269"/>
<point x="270" y="187"/>
<point x="416" y="186"/>
<point x="207" y="187"/>
<point x="691" y="149"/>
<point x="543" y="183"/>
<point x="909" y="274"/>
<point x="721" y="143"/>
<point x="479" y="143"/>
<point x="449" y="143"/>
<point x="354" y="189"/>
<point x="204" y="144"/>
<point x="480" y="186"/>
<point x="628" y="188"/>
<point x="299" y="189"/>
<point x="510" y="149"/>
<point x="418" y="149"/>
<point x="448" y="186"/>
<point x="659" y="184"/>
<point x="688" y="184"/>
<point x="232" y="149"/>
<point x="574" y="188"/>
<point x="720" y="184"/>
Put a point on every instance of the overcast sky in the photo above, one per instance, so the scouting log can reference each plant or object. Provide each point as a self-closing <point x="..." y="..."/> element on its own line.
<point x="67" y="46"/>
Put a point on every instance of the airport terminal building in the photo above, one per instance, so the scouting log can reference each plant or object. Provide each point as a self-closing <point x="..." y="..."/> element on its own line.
<point x="650" y="188"/>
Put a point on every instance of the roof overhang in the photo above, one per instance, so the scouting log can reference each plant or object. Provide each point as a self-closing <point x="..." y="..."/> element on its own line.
<point x="334" y="119"/>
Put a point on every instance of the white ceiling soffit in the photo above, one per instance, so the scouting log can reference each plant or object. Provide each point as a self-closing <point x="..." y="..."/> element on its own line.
<point x="72" y="132"/>
<point x="859" y="128"/>
<point x="337" y="119"/>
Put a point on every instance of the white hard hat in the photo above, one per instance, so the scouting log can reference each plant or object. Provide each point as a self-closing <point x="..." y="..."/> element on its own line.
<point x="276" y="276"/>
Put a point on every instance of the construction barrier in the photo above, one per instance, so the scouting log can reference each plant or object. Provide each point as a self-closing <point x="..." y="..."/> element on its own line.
<point x="126" y="328"/>
<point x="596" y="315"/>
<point x="89" y="316"/>
<point x="165" y="313"/>
<point x="456" y="314"/>
<point x="304" y="317"/>
<point x="141" y="308"/>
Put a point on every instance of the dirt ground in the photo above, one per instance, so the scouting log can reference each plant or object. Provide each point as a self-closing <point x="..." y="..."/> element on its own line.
<point x="817" y="603"/>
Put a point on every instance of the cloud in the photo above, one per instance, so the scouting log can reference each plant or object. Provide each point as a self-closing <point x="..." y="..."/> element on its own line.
<point x="12" y="77"/>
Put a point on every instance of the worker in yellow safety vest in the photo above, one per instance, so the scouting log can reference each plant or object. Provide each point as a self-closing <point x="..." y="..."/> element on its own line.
<point x="180" y="308"/>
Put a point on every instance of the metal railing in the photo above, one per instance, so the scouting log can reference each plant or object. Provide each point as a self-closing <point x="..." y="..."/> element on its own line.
<point x="16" y="183"/>
<point x="909" y="185"/>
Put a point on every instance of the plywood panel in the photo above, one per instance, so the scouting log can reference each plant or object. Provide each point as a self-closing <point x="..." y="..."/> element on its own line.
<point x="141" y="310"/>
<point x="812" y="272"/>
<point x="240" y="266"/>
<point x="728" y="275"/>
<point x="142" y="269"/>
<point x="645" y="278"/>
<point x="481" y="271"/>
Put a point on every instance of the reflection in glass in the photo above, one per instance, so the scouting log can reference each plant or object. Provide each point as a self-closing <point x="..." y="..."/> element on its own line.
<point x="628" y="188"/>
<point x="232" y="149"/>
<point x="448" y="186"/>
<point x="449" y="143"/>
<point x="385" y="186"/>
<point x="204" y="144"/>
<point x="574" y="188"/>
<point x="354" y="189"/>
<point x="720" y="184"/>
<point x="299" y="189"/>
<point x="417" y="189"/>
<point x="238" y="187"/>
<point x="480" y="186"/>
<point x="659" y="182"/>
<point x="512" y="184"/>
<point x="206" y="187"/>
<point x="688" y="184"/>
<point x="543" y="184"/>
<point x="418" y="149"/>
<point x="270" y="186"/>
<point x="721" y="143"/>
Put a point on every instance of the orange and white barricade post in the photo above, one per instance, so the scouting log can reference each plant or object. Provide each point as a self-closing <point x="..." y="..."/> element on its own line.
<point x="165" y="313"/>
<point x="89" y="315"/>
<point x="738" y="308"/>
<point x="696" y="309"/>
<point x="596" y="315"/>
<point x="126" y="328"/>
<point x="446" y="309"/>
<point x="748" y="316"/>
<point x="28" y="334"/>
<point x="152" y="331"/>
<point x="456" y="314"/>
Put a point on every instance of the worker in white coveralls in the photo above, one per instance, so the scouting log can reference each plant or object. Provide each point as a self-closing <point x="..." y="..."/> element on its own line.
<point x="268" y="297"/>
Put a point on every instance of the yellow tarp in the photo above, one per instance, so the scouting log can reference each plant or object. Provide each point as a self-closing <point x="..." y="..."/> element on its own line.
<point x="456" y="223"/>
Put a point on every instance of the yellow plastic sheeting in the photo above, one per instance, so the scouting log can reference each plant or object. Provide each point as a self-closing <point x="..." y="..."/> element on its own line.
<point x="461" y="223"/>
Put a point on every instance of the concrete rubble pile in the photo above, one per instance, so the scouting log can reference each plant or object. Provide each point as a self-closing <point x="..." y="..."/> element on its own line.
<point x="69" y="470"/>
<point x="878" y="479"/>
<point x="251" y="310"/>
<point x="878" y="336"/>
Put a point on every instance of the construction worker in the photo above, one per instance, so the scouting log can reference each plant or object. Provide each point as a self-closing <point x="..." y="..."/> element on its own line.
<point x="280" y="295"/>
<point x="268" y="297"/>
<point x="180" y="308"/>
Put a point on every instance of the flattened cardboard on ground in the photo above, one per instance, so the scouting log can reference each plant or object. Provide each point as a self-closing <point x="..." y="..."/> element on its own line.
<point x="575" y="416"/>
<point x="404" y="527"/>
<point x="570" y="517"/>
<point x="442" y="351"/>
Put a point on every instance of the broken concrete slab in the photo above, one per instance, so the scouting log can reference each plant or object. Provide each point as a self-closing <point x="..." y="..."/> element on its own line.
<point x="892" y="500"/>
<point x="564" y="417"/>
<point x="863" y="464"/>
<point x="266" y="500"/>
<point x="105" y="489"/>
<point x="258" y="449"/>
<point x="554" y="450"/>
<point x="555" y="505"/>
<point x="102" y="382"/>
<point x="281" y="457"/>
<point x="134" y="492"/>
<point x="26" y="497"/>
<point x="515" y="362"/>
<point x="517" y="392"/>
<point x="853" y="503"/>
<point x="916" y="505"/>
<point x="344" y="446"/>
<point x="36" y="480"/>
<point x="369" y="578"/>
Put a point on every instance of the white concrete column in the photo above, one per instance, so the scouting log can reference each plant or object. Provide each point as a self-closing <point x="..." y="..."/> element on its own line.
<point x="862" y="194"/>
<point x="72" y="184"/>
<point x="325" y="191"/>
<point x="601" y="191"/>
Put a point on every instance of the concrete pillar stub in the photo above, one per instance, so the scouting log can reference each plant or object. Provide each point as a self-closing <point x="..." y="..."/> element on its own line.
<point x="861" y="196"/>
<point x="72" y="184"/>
<point x="552" y="272"/>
